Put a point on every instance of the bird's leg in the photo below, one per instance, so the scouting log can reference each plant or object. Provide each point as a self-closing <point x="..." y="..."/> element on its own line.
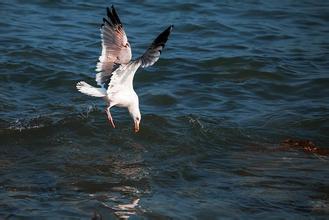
<point x="109" y="116"/>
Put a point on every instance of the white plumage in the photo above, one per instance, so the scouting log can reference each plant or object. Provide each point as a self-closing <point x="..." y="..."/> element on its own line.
<point x="90" y="90"/>
<point x="116" y="70"/>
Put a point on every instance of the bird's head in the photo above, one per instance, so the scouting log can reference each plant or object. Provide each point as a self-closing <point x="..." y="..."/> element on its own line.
<point x="136" y="116"/>
<point x="137" y="121"/>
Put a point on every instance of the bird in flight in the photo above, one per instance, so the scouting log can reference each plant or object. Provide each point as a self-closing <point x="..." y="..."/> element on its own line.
<point x="116" y="70"/>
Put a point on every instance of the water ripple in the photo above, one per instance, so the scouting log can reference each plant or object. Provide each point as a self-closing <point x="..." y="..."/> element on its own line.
<point x="234" y="80"/>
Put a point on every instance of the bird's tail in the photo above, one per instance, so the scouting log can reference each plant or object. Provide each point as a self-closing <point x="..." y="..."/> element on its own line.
<point x="87" y="89"/>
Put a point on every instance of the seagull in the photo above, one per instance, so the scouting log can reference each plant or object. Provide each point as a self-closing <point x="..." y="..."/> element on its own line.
<point x="116" y="70"/>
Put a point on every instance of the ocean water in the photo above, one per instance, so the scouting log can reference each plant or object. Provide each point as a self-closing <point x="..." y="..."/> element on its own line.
<point x="234" y="81"/>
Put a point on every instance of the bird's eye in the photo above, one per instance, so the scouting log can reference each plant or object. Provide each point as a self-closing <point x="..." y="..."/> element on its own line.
<point x="137" y="119"/>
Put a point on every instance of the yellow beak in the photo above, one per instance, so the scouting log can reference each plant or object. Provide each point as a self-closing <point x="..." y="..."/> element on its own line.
<point x="136" y="128"/>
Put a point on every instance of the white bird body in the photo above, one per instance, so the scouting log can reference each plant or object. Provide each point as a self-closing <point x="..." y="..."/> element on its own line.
<point x="115" y="69"/>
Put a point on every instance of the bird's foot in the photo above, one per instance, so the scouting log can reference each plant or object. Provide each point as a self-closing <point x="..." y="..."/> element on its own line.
<point x="109" y="117"/>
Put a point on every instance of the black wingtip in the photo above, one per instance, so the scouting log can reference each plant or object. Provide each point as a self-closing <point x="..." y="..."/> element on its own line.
<point x="108" y="11"/>
<point x="169" y="29"/>
<point x="115" y="15"/>
<point x="106" y="21"/>
<point x="163" y="37"/>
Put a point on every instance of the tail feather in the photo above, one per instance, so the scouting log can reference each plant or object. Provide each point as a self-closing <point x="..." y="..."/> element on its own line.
<point x="90" y="90"/>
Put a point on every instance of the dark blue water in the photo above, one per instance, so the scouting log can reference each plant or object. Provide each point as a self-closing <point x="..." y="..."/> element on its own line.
<point x="235" y="80"/>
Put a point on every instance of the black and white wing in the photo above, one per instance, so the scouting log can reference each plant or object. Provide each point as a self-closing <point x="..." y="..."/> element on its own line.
<point x="115" y="47"/>
<point x="152" y="54"/>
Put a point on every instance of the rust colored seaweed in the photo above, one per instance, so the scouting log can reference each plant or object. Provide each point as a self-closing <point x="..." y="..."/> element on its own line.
<point x="306" y="145"/>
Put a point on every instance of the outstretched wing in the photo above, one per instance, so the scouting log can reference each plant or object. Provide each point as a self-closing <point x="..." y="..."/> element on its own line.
<point x="123" y="76"/>
<point x="152" y="54"/>
<point x="115" y="47"/>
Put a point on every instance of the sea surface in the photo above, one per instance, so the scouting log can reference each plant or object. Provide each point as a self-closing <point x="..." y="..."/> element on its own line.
<point x="235" y="80"/>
